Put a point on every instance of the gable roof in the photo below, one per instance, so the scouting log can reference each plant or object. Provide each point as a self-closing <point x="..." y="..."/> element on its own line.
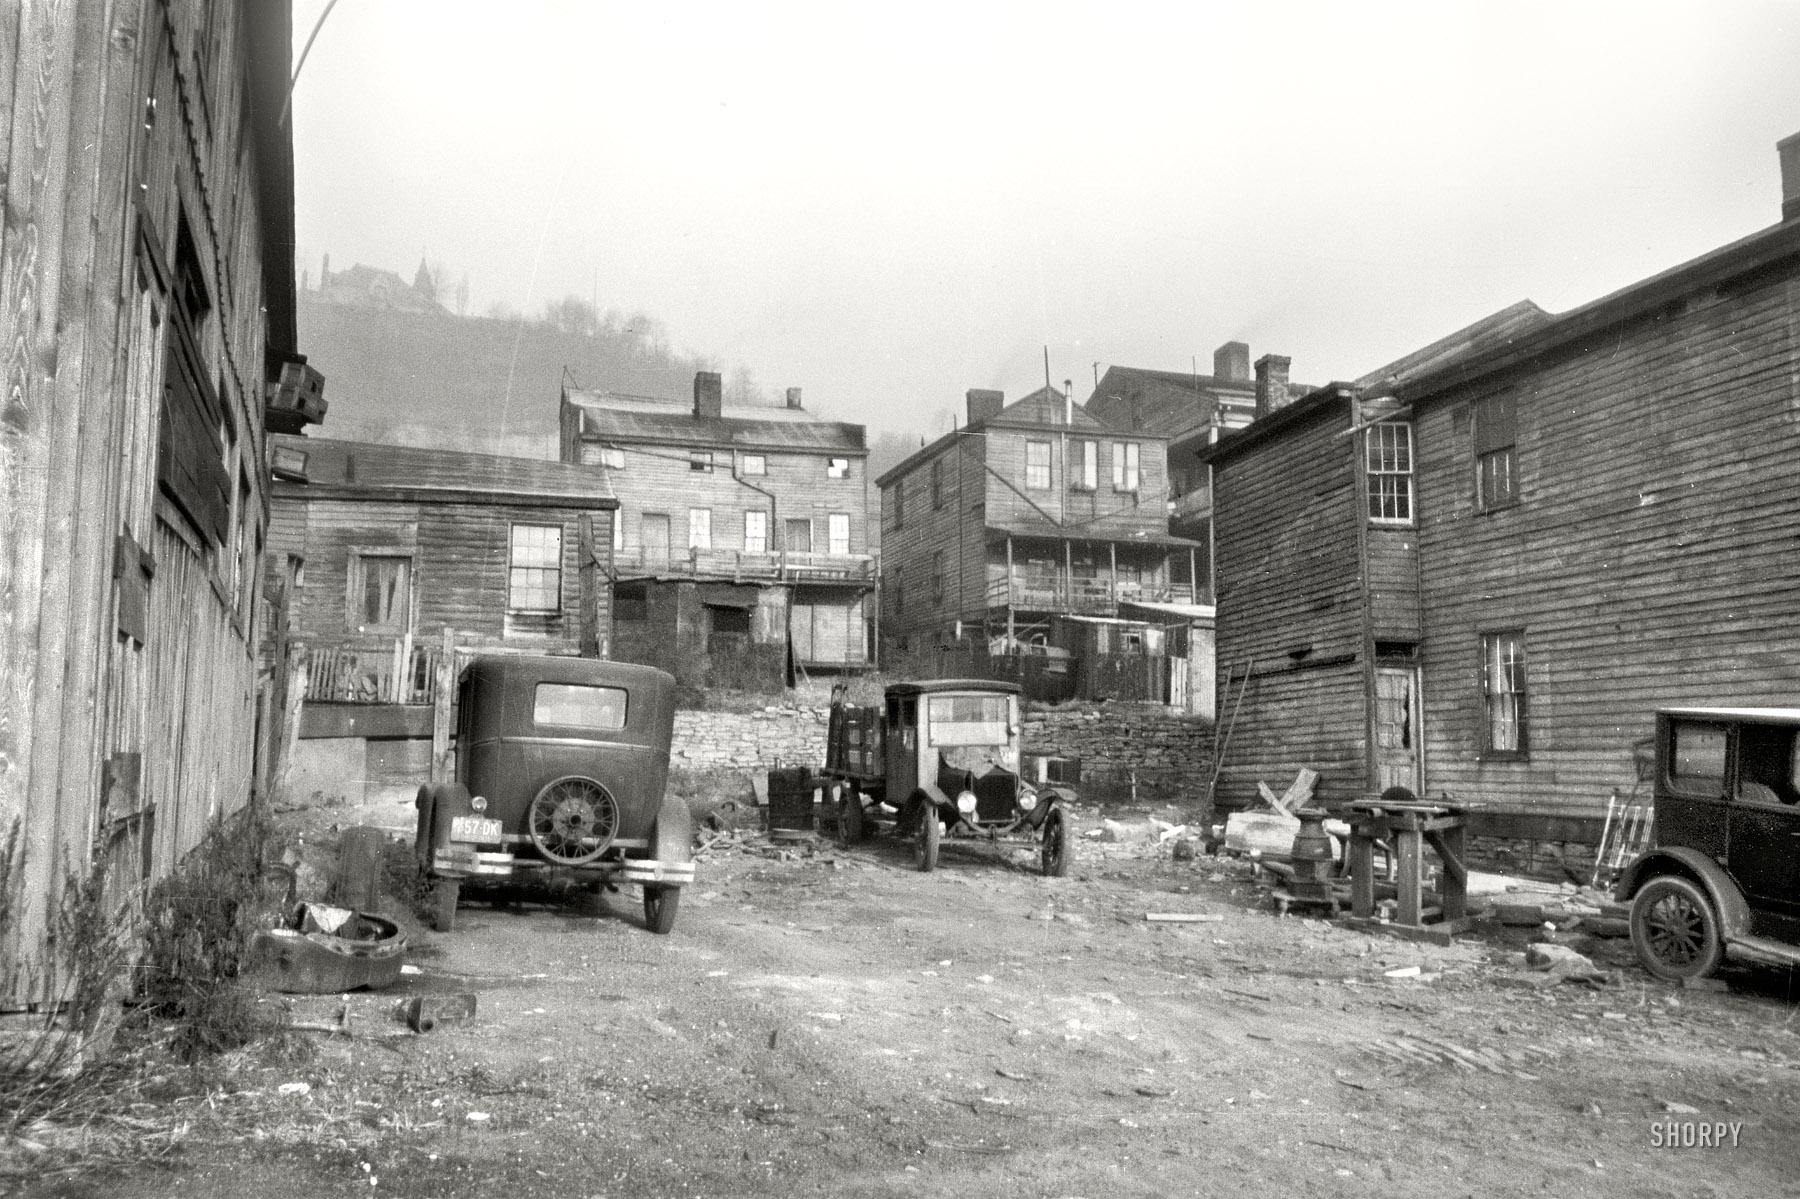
<point x="367" y="470"/>
<point x="647" y="420"/>
<point x="1041" y="411"/>
<point x="1174" y="404"/>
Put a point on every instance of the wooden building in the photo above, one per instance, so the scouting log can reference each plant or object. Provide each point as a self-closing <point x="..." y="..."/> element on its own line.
<point x="147" y="310"/>
<point x="1483" y="568"/>
<point x="393" y="557"/>
<point x="741" y="545"/>
<point x="1031" y="510"/>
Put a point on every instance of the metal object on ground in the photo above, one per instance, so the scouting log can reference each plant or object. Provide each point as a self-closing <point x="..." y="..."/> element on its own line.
<point x="1314" y="860"/>
<point x="330" y="950"/>
<point x="791" y="799"/>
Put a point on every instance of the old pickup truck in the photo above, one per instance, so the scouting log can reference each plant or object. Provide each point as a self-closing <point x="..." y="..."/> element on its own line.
<point x="940" y="759"/>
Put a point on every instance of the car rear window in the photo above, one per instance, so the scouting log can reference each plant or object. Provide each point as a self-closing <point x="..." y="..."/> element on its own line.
<point x="575" y="705"/>
<point x="1698" y="760"/>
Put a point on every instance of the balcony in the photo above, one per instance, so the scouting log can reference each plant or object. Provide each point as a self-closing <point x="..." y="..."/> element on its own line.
<point x="373" y="672"/>
<point x="742" y="566"/>
<point x="1098" y="595"/>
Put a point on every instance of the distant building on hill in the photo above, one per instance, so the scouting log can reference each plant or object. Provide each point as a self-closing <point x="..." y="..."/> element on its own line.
<point x="373" y="287"/>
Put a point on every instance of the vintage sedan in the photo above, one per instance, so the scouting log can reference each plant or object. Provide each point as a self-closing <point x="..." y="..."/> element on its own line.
<point x="940" y="759"/>
<point x="1724" y="875"/>
<point x="561" y="765"/>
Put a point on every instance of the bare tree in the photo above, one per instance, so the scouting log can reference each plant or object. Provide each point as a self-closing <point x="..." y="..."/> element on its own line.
<point x="572" y="314"/>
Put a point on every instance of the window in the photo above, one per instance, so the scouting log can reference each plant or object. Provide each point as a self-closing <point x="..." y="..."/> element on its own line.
<point x="700" y="460"/>
<point x="380" y="592"/>
<point x="1496" y="460"/>
<point x="837" y="468"/>
<point x="612" y="457"/>
<point x="1125" y="466"/>
<point x="755" y="464"/>
<point x="1388" y="459"/>
<point x="937" y="576"/>
<point x="756" y="532"/>
<point x="799" y="535"/>
<point x="1085" y="469"/>
<point x="699" y="528"/>
<point x="837" y="532"/>
<point x="937" y="483"/>
<point x="631" y="602"/>
<point x="1037" y="465"/>
<point x="1503" y="694"/>
<point x="899" y="590"/>
<point x="534" y="580"/>
<point x="193" y="465"/>
<point x="898" y="503"/>
<point x="576" y="706"/>
<point x="1697" y="762"/>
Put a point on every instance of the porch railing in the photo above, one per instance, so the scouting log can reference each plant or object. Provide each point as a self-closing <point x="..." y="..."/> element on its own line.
<point x="1096" y="596"/>
<point x="747" y="566"/>
<point x="373" y="673"/>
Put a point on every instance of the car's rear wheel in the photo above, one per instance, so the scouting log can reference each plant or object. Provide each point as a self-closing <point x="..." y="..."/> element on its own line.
<point x="1675" y="929"/>
<point x="850" y="817"/>
<point x="572" y="821"/>
<point x="445" y="893"/>
<point x="1054" y="855"/>
<point x="660" y="905"/>
<point x="925" y="850"/>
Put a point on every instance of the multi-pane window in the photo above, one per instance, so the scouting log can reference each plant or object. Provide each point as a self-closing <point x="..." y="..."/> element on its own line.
<point x="701" y="460"/>
<point x="1388" y="456"/>
<point x="381" y="592"/>
<point x="937" y="483"/>
<point x="837" y="532"/>
<point x="1037" y="465"/>
<point x="699" y="528"/>
<point x="1503" y="694"/>
<point x="612" y="457"/>
<point x="756" y="464"/>
<point x="1125" y="466"/>
<point x="756" y="532"/>
<point x="837" y="468"/>
<point x="1084" y="471"/>
<point x="1496" y="458"/>
<point x="534" y="575"/>
<point x="937" y="576"/>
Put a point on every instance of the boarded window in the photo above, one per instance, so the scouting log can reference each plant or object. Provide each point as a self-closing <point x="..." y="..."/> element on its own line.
<point x="756" y="532"/>
<point x="1503" y="694"/>
<point x="799" y="535"/>
<point x="534" y="577"/>
<point x="837" y="530"/>
<point x="1388" y="455"/>
<point x="898" y="590"/>
<point x="1037" y="465"/>
<point x="631" y="602"/>
<point x="896" y="502"/>
<point x="937" y="483"/>
<point x="937" y="576"/>
<point x="1496" y="457"/>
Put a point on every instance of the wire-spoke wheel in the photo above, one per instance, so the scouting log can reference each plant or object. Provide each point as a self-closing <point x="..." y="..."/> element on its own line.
<point x="572" y="821"/>
<point x="1675" y="930"/>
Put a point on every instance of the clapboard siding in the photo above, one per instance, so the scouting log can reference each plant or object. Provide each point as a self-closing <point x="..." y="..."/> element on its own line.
<point x="1290" y="594"/>
<point x="954" y="527"/>
<point x="94" y="201"/>
<point x="1651" y="557"/>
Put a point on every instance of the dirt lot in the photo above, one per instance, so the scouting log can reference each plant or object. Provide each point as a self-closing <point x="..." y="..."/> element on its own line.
<point x="838" y="1024"/>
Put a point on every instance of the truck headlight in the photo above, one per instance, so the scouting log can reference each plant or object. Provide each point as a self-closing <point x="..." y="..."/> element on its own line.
<point x="478" y="803"/>
<point x="1027" y="799"/>
<point x="965" y="802"/>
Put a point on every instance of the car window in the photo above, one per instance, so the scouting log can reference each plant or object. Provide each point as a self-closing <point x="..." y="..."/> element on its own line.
<point x="1698" y="760"/>
<point x="969" y="719"/>
<point x="575" y="705"/>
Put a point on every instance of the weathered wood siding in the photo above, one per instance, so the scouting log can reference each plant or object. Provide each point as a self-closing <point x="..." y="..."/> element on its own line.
<point x="913" y="609"/>
<point x="127" y="685"/>
<point x="1290" y="612"/>
<point x="1650" y="559"/>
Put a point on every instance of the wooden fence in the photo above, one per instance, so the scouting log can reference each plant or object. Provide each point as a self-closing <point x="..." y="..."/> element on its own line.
<point x="395" y="672"/>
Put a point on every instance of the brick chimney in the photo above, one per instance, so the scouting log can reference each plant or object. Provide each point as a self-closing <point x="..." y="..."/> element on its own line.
<point x="984" y="404"/>
<point x="793" y="397"/>
<point x="1271" y="383"/>
<point x="1232" y="361"/>
<point x="709" y="395"/>
<point x="1789" y="150"/>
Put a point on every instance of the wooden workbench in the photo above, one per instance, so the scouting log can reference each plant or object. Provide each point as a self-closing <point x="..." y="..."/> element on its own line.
<point x="1409" y="828"/>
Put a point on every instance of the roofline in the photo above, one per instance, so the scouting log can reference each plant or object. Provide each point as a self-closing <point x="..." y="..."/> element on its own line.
<point x="979" y="429"/>
<point x="270" y="36"/>
<point x="283" y="489"/>
<point x="1311" y="406"/>
<point x="1759" y="250"/>
<point x="824" y="451"/>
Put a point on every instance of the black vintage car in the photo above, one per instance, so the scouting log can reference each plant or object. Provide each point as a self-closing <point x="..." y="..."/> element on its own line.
<point x="940" y="759"/>
<point x="1724" y="876"/>
<point x="560" y="769"/>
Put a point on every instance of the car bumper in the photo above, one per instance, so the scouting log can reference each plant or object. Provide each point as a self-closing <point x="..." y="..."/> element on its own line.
<point x="467" y="862"/>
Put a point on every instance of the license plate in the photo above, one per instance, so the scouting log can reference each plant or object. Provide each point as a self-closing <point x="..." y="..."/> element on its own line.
<point x="474" y="828"/>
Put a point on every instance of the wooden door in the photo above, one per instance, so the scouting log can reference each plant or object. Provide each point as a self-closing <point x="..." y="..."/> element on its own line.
<point x="1396" y="750"/>
<point x="799" y="535"/>
<point x="655" y="538"/>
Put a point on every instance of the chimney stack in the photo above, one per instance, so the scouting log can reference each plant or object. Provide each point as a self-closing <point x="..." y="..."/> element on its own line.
<point x="1271" y="383"/>
<point x="709" y="395"/>
<point x="984" y="404"/>
<point x="793" y="397"/>
<point x="1789" y="150"/>
<point x="1232" y="361"/>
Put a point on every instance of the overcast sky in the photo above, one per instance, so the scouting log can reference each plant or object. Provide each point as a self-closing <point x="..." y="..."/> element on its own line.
<point x="888" y="205"/>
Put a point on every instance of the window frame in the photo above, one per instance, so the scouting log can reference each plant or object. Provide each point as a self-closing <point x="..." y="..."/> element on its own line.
<point x="899" y="506"/>
<point x="761" y="466"/>
<point x="832" y="522"/>
<point x="356" y="582"/>
<point x="1517" y="693"/>
<point x="1084" y="472"/>
<point x="762" y="546"/>
<point x="700" y="461"/>
<point x="612" y="457"/>
<point x="1127" y="466"/>
<point x="1032" y="469"/>
<point x="1379" y="477"/>
<point x="937" y="483"/>
<point x="837" y="468"/>
<point x="513" y="568"/>
<point x="1493" y="445"/>
<point x="937" y="576"/>
<point x="699" y="529"/>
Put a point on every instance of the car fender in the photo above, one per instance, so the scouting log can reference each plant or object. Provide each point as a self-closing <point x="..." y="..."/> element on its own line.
<point x="929" y="793"/>
<point x="673" y="840"/>
<point x="447" y="800"/>
<point x="1727" y="899"/>
<point x="1050" y="799"/>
